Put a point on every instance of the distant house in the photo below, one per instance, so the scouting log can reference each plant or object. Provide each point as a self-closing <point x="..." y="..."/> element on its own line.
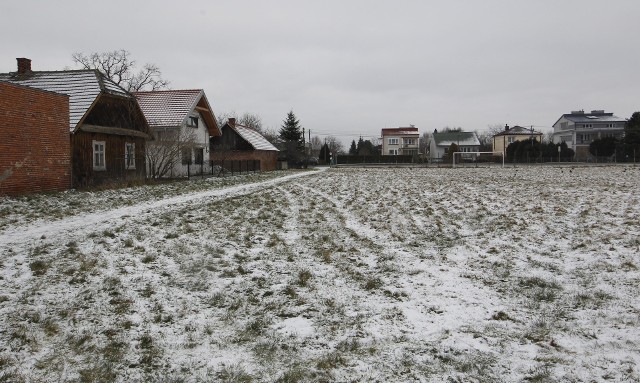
<point x="400" y="141"/>
<point x="108" y="129"/>
<point x="182" y="122"/>
<point x="578" y="129"/>
<point x="34" y="140"/>
<point x="509" y="135"/>
<point x="440" y="143"/>
<point x="241" y="143"/>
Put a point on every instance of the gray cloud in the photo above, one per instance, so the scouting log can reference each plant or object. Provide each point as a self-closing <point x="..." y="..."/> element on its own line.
<point x="354" y="67"/>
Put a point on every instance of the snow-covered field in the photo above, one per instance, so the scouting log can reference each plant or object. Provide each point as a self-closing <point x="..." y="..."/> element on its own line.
<point x="462" y="275"/>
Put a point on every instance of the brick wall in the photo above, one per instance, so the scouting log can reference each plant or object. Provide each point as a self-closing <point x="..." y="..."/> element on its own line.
<point x="35" y="153"/>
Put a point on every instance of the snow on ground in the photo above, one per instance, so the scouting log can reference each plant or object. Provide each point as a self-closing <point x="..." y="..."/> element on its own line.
<point x="471" y="274"/>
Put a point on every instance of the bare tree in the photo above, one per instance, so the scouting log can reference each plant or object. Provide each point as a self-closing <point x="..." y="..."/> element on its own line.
<point x="486" y="136"/>
<point x="222" y="118"/>
<point x="252" y="121"/>
<point x="423" y="142"/>
<point x="316" y="144"/>
<point x="335" y="146"/>
<point x="165" y="151"/>
<point x="121" y="69"/>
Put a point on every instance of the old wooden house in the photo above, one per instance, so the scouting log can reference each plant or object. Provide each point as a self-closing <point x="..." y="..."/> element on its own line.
<point x="241" y="147"/>
<point x="108" y="131"/>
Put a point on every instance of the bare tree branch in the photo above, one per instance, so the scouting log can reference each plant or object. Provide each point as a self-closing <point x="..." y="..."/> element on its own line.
<point x="121" y="69"/>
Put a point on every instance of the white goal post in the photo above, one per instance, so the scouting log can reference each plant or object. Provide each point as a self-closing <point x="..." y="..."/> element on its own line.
<point x="478" y="153"/>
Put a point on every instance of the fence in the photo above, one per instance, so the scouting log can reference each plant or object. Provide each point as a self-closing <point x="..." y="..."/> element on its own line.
<point x="222" y="167"/>
<point x="381" y="159"/>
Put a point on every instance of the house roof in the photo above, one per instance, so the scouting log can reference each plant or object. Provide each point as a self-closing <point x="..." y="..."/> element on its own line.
<point x="589" y="118"/>
<point x="518" y="131"/>
<point x="255" y="139"/>
<point x="82" y="86"/>
<point x="171" y="108"/>
<point x="458" y="138"/>
<point x="399" y="131"/>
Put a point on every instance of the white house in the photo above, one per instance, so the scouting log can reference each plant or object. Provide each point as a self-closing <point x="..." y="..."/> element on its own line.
<point x="400" y="141"/>
<point x="182" y="122"/>
<point x="578" y="129"/>
<point x="440" y="143"/>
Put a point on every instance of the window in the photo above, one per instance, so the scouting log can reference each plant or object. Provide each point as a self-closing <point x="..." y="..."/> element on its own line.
<point x="393" y="141"/>
<point x="393" y="152"/>
<point x="99" y="155"/>
<point x="130" y="155"/>
<point x="193" y="122"/>
<point x="587" y="125"/>
<point x="409" y="141"/>
<point x="446" y="150"/>
<point x="199" y="152"/>
<point x="611" y="125"/>
<point x="186" y="156"/>
<point x="510" y="140"/>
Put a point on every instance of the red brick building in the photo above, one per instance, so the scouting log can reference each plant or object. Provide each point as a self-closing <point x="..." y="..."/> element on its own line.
<point x="35" y="154"/>
<point x="107" y="129"/>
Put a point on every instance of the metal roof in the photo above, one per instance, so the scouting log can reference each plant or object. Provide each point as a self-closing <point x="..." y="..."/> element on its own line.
<point x="254" y="138"/>
<point x="458" y="138"/>
<point x="589" y="118"/>
<point x="171" y="108"/>
<point x="82" y="87"/>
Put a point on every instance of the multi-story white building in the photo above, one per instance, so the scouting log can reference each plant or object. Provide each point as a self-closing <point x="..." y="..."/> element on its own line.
<point x="400" y="141"/>
<point x="578" y="129"/>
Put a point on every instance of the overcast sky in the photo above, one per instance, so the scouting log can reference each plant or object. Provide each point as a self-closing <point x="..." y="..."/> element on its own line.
<point x="351" y="68"/>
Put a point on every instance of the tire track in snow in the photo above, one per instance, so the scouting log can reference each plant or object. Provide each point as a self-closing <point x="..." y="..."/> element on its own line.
<point x="97" y="221"/>
<point x="444" y="289"/>
<point x="291" y="224"/>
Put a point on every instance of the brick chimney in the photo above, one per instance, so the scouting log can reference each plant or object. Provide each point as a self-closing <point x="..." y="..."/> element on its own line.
<point x="24" y="65"/>
<point x="232" y="122"/>
<point x="506" y="127"/>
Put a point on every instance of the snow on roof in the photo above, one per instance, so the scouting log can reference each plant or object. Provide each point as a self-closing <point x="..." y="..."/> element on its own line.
<point x="458" y="138"/>
<point x="594" y="116"/>
<point x="168" y="108"/>
<point x="82" y="87"/>
<point x="518" y="131"/>
<point x="254" y="138"/>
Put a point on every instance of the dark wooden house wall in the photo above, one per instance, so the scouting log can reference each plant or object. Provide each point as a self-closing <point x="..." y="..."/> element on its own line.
<point x="230" y="140"/>
<point x="232" y="147"/>
<point x="115" y="161"/>
<point x="114" y="112"/>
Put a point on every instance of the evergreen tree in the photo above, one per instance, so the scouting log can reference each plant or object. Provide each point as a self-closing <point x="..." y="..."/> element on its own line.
<point x="291" y="135"/>
<point x="365" y="148"/>
<point x="353" y="150"/>
<point x="290" y="130"/>
<point x="603" y="147"/>
<point x="632" y="135"/>
<point x="324" y="153"/>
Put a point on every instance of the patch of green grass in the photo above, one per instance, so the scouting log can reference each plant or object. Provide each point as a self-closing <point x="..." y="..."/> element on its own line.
<point x="39" y="267"/>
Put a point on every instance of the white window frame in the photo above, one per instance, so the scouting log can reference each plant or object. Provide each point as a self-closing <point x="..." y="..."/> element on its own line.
<point x="130" y="155"/>
<point x="394" y="141"/>
<point x="99" y="155"/>
<point x="393" y="152"/>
